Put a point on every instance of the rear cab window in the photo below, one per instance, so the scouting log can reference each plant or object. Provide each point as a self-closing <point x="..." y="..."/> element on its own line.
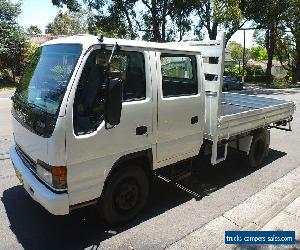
<point x="179" y="75"/>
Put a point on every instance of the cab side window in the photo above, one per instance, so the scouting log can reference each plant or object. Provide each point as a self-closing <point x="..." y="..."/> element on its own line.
<point x="130" y="67"/>
<point x="179" y="75"/>
<point x="89" y="99"/>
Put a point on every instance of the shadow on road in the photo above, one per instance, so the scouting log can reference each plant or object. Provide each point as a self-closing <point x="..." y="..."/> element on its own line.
<point x="37" y="229"/>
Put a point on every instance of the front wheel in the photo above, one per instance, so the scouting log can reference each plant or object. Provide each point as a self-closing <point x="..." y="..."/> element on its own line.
<point x="124" y="195"/>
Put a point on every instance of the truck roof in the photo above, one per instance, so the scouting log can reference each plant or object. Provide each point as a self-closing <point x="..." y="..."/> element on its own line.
<point x="88" y="40"/>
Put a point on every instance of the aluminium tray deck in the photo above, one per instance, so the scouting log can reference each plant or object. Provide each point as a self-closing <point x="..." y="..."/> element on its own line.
<point x="240" y="113"/>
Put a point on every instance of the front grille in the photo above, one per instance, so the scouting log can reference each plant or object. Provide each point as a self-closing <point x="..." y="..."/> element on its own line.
<point x="28" y="162"/>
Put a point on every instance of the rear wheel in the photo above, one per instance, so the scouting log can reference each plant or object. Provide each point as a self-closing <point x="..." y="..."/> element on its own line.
<point x="124" y="195"/>
<point x="259" y="150"/>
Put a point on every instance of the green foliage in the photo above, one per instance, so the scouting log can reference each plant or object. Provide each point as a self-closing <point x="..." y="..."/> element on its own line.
<point x="288" y="49"/>
<point x="253" y="70"/>
<point x="280" y="82"/>
<point x="258" y="53"/>
<point x="33" y="30"/>
<point x="69" y="23"/>
<point x="236" y="52"/>
<point x="9" y="11"/>
<point x="267" y="15"/>
<point x="14" y="41"/>
<point x="5" y="75"/>
<point x="158" y="20"/>
<point x="72" y="5"/>
<point x="259" y="38"/>
<point x="167" y="20"/>
<point x="232" y="71"/>
<point x="220" y="14"/>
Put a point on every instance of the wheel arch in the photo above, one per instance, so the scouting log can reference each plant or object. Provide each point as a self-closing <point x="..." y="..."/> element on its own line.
<point x="142" y="158"/>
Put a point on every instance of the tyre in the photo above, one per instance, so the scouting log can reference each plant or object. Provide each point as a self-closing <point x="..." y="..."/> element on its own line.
<point x="258" y="150"/>
<point x="124" y="195"/>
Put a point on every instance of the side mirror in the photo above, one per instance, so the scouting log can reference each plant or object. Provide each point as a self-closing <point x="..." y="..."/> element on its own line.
<point x="113" y="101"/>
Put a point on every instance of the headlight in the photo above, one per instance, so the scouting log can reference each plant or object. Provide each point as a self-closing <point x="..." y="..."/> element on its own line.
<point x="44" y="174"/>
<point x="55" y="176"/>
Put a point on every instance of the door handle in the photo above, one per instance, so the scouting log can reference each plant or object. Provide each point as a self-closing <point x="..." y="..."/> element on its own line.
<point x="194" y="120"/>
<point x="141" y="130"/>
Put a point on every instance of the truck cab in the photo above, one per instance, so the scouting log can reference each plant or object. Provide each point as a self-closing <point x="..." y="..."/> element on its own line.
<point x="65" y="149"/>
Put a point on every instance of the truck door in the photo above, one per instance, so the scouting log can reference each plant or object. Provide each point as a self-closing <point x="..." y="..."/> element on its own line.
<point x="91" y="148"/>
<point x="180" y="108"/>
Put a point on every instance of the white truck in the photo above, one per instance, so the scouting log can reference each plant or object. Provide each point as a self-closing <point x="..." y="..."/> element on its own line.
<point x="94" y="118"/>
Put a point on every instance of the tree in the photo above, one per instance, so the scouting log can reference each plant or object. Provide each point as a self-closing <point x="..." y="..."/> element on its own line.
<point x="159" y="15"/>
<point x="14" y="41"/>
<point x="69" y="23"/>
<point x="259" y="37"/>
<point x="118" y="19"/>
<point x="236" y="52"/>
<point x="72" y="5"/>
<point x="122" y="19"/>
<point x="8" y="15"/>
<point x="258" y="53"/>
<point x="226" y="14"/>
<point x="267" y="15"/>
<point x="33" y="30"/>
<point x="288" y="40"/>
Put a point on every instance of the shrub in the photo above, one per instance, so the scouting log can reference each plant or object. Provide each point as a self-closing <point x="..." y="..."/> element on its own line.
<point x="255" y="78"/>
<point x="254" y="70"/>
<point x="231" y="71"/>
<point x="5" y="75"/>
<point x="281" y="82"/>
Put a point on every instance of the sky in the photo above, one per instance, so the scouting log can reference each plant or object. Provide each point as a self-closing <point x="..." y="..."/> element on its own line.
<point x="42" y="12"/>
<point x="37" y="12"/>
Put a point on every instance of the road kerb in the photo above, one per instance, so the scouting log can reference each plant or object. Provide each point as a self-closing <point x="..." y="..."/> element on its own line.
<point x="285" y="189"/>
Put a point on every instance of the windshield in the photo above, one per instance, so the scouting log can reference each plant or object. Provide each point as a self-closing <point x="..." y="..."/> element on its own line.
<point x="42" y="87"/>
<point x="46" y="76"/>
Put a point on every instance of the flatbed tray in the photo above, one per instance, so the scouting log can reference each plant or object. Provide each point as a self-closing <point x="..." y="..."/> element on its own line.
<point x="239" y="113"/>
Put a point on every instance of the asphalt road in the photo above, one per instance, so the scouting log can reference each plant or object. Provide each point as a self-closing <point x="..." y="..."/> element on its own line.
<point x="170" y="214"/>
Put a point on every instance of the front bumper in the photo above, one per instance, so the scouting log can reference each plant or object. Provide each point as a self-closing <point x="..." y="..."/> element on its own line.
<point x="57" y="204"/>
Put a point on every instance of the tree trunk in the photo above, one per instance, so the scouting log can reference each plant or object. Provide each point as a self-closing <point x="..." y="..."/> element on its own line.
<point x="164" y="21"/>
<point x="212" y="33"/>
<point x="155" y="22"/>
<point x="163" y="30"/>
<point x="13" y="71"/>
<point x="296" y="73"/>
<point x="270" y="45"/>
<point x="156" y="32"/>
<point x="212" y="36"/>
